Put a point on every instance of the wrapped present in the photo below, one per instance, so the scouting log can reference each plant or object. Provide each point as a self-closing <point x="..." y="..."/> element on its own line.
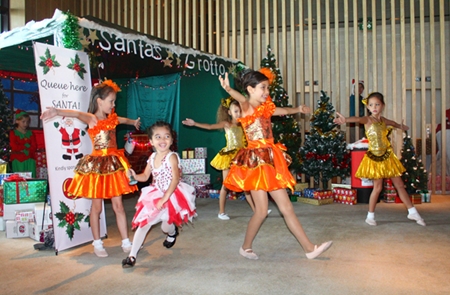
<point x="426" y="196"/>
<point x="42" y="214"/>
<point x="41" y="159"/>
<point x="293" y="198"/>
<point x="17" y="190"/>
<point x="201" y="191"/>
<point x="17" y="229"/>
<point x="416" y="198"/>
<point x="200" y="153"/>
<point x="42" y="173"/>
<point x="389" y="197"/>
<point x="322" y="194"/>
<point x="1" y="200"/>
<point x="3" y="176"/>
<point x="196" y="179"/>
<point x="232" y="195"/>
<point x="300" y="186"/>
<point x="9" y="210"/>
<point x="345" y="196"/>
<point x="188" y="154"/>
<point x="193" y="166"/>
<point x="297" y="193"/>
<point x="342" y="185"/>
<point x="309" y="192"/>
<point x="25" y="216"/>
<point x="315" y="202"/>
<point x="36" y="231"/>
<point x="3" y="166"/>
<point x="214" y="193"/>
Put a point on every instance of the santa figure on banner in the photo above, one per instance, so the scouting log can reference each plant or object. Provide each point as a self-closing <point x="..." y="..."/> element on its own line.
<point x="70" y="138"/>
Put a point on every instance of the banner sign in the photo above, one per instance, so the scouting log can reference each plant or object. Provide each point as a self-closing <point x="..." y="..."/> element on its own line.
<point x="64" y="82"/>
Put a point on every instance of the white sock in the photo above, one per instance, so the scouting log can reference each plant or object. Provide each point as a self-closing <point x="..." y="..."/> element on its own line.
<point x="371" y="215"/>
<point x="98" y="244"/>
<point x="412" y="210"/>
<point x="126" y="242"/>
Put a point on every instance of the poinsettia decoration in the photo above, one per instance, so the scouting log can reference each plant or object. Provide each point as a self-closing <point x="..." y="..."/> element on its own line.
<point x="48" y="61"/>
<point x="69" y="219"/>
<point x="77" y="66"/>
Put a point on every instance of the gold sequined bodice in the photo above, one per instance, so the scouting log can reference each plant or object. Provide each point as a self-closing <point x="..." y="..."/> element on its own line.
<point x="104" y="139"/>
<point x="259" y="129"/>
<point x="378" y="141"/>
<point x="235" y="138"/>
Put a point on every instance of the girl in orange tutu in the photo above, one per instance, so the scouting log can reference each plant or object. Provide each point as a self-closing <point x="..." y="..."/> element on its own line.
<point x="263" y="166"/>
<point x="380" y="162"/>
<point x="102" y="174"/>
<point x="227" y="114"/>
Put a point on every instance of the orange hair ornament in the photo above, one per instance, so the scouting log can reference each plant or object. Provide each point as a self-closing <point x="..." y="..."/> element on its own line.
<point x="268" y="73"/>
<point x="111" y="84"/>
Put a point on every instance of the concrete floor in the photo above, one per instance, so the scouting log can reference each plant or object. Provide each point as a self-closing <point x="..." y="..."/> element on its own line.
<point x="396" y="257"/>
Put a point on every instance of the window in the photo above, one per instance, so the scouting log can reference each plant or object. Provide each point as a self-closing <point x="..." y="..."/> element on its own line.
<point x="4" y="15"/>
<point x="25" y="96"/>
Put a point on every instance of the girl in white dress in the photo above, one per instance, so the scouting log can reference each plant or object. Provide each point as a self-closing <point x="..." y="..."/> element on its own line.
<point x="166" y="200"/>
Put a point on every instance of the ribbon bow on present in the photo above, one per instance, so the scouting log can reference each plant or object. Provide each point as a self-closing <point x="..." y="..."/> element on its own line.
<point x="23" y="182"/>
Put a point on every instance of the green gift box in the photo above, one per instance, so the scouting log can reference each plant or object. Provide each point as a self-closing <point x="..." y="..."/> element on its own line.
<point x="28" y="191"/>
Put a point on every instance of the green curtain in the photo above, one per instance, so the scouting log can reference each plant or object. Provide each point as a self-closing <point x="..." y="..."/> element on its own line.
<point x="155" y="98"/>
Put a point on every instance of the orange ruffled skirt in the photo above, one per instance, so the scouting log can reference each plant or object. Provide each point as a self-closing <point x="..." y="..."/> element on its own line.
<point x="263" y="165"/>
<point x="389" y="168"/>
<point x="101" y="175"/>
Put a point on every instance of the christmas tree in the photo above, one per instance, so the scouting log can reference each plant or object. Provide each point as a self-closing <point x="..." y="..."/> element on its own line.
<point x="6" y="119"/>
<point x="415" y="177"/>
<point x="324" y="153"/>
<point x="285" y="129"/>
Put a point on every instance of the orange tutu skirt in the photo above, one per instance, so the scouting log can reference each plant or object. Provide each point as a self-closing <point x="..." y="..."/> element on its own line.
<point x="263" y="165"/>
<point x="101" y="175"/>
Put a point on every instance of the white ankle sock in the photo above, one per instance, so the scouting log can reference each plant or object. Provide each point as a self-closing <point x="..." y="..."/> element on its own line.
<point x="98" y="244"/>
<point x="412" y="210"/>
<point x="371" y="215"/>
<point x="126" y="242"/>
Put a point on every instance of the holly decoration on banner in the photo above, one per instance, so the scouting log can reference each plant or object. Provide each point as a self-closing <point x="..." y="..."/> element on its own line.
<point x="48" y="61"/>
<point x="69" y="219"/>
<point x="324" y="153"/>
<point x="77" y="66"/>
<point x="415" y="177"/>
<point x="285" y="128"/>
<point x="6" y="119"/>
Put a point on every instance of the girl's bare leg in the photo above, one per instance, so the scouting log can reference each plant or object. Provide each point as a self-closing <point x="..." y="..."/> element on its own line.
<point x="402" y="194"/>
<point x="223" y="193"/>
<point x="249" y="198"/>
<point x="121" y="217"/>
<point x="94" y="218"/>
<point x="260" y="213"/>
<point x="377" y="187"/>
<point x="283" y="202"/>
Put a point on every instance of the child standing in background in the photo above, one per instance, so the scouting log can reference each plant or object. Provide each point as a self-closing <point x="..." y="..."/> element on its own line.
<point x="262" y="166"/>
<point x="227" y="114"/>
<point x="380" y="162"/>
<point x="102" y="174"/>
<point x="166" y="200"/>
<point x="23" y="144"/>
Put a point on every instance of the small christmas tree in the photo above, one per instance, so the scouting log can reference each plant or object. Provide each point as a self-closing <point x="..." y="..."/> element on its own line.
<point x="415" y="177"/>
<point x="6" y="120"/>
<point x="324" y="154"/>
<point x="285" y="128"/>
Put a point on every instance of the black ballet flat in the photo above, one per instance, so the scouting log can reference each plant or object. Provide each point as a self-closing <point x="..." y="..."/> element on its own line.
<point x="128" y="262"/>
<point x="168" y="244"/>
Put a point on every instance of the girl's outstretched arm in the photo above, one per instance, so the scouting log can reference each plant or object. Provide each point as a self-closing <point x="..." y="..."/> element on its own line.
<point x="173" y="184"/>
<point x="225" y="83"/>
<point x="395" y="124"/>
<point x="88" y="118"/>
<point x="342" y="120"/>
<point x="220" y="125"/>
<point x="290" y="111"/>
<point x="145" y="175"/>
<point x="136" y="123"/>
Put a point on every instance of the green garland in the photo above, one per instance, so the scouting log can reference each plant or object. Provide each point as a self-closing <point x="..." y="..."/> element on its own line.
<point x="70" y="32"/>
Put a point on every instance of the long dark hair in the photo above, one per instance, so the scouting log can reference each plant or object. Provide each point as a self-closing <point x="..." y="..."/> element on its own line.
<point x="249" y="78"/>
